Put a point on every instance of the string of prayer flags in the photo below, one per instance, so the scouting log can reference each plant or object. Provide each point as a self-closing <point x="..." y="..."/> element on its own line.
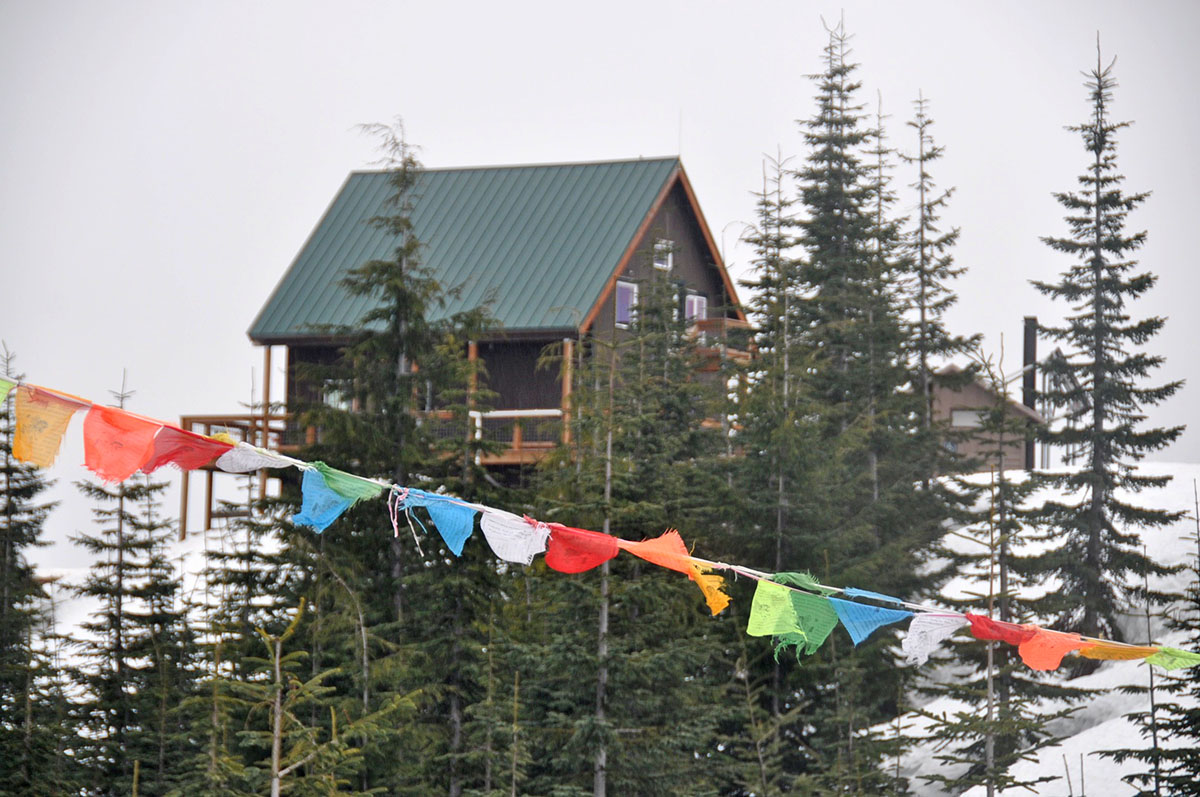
<point x="1173" y="658"/>
<point x="513" y="538"/>
<point x="347" y="485"/>
<point x="454" y="520"/>
<point x="244" y="458"/>
<point x="1045" y="649"/>
<point x="319" y="505"/>
<point x="183" y="449"/>
<point x="792" y="617"/>
<point x="926" y="632"/>
<point x="988" y="629"/>
<point x="577" y="550"/>
<point x="42" y="419"/>
<point x="792" y="607"/>
<point x="116" y="443"/>
<point x="861" y="620"/>
<point x="1115" y="651"/>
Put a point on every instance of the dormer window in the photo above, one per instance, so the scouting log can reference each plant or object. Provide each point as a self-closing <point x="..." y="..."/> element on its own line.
<point x="664" y="254"/>
<point x="626" y="299"/>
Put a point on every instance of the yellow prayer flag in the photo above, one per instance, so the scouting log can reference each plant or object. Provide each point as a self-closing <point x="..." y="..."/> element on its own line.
<point x="42" y="419"/>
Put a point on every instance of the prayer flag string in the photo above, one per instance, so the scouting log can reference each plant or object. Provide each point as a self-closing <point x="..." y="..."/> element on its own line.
<point x="793" y="607"/>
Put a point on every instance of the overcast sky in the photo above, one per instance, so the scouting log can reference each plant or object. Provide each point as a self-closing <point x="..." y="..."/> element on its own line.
<point x="163" y="162"/>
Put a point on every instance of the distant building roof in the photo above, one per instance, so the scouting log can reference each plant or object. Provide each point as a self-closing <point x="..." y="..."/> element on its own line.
<point x="541" y="241"/>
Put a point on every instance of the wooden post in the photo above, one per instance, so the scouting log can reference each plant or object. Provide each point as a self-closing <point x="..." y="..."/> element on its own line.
<point x="183" y="491"/>
<point x="473" y="378"/>
<point x="208" y="499"/>
<point x="568" y="357"/>
<point x="265" y="438"/>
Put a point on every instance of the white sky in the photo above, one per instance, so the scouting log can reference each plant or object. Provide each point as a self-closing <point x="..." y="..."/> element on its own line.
<point x="163" y="162"/>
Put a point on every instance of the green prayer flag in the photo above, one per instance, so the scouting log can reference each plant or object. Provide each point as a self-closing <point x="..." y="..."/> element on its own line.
<point x="795" y="618"/>
<point x="1173" y="658"/>
<point x="803" y="581"/>
<point x="5" y="386"/>
<point x="347" y="485"/>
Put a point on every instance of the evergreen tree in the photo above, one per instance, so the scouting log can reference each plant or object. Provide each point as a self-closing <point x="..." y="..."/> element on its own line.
<point x="643" y="719"/>
<point x="1005" y="718"/>
<point x="931" y="260"/>
<point x="1105" y="373"/>
<point x="873" y="525"/>
<point x="390" y="619"/>
<point x="28" y="725"/>
<point x="1174" y="705"/>
<point x="140" y="659"/>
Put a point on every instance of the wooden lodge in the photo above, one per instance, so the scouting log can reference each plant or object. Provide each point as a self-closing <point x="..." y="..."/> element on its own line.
<point x="559" y="252"/>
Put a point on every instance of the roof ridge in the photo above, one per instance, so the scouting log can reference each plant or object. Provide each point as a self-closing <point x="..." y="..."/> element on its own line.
<point x="553" y="164"/>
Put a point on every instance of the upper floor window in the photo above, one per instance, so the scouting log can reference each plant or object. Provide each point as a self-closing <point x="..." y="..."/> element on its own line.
<point x="626" y="298"/>
<point x="966" y="419"/>
<point x="664" y="254"/>
<point x="695" y="307"/>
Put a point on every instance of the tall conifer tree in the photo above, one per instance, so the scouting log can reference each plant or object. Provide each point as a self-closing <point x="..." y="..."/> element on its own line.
<point x="1105" y="372"/>
<point x="22" y="667"/>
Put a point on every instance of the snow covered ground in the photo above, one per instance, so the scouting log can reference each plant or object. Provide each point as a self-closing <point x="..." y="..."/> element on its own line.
<point x="1099" y="724"/>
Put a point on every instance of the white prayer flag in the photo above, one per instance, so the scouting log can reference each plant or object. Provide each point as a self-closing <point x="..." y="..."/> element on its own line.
<point x="512" y="537"/>
<point x="926" y="632"/>
<point x="244" y="458"/>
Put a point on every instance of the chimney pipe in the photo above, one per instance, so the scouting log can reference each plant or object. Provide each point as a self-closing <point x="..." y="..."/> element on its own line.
<point x="1029" y="382"/>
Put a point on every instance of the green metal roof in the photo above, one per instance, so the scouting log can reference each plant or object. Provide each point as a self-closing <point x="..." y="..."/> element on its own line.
<point x="541" y="240"/>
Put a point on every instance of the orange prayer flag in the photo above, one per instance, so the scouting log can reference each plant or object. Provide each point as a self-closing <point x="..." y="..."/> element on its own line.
<point x="116" y="443"/>
<point x="1114" y="651"/>
<point x="1045" y="649"/>
<point x="666" y="551"/>
<point x="42" y="419"/>
<point x="669" y="551"/>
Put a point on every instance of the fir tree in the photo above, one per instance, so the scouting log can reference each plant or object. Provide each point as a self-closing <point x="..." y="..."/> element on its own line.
<point x="1005" y="719"/>
<point x="640" y="464"/>
<point x="140" y="661"/>
<point x="393" y="620"/>
<point x="1105" y="373"/>
<point x="22" y="666"/>
<point x="1174" y="704"/>
<point x="931" y="261"/>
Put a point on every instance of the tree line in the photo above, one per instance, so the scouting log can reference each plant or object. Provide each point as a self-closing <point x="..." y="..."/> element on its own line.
<point x="360" y="662"/>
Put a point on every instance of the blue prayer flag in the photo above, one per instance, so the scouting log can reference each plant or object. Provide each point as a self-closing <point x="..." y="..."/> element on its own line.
<point x="866" y="593"/>
<point x="454" y="522"/>
<point x="861" y="620"/>
<point x="320" y="505"/>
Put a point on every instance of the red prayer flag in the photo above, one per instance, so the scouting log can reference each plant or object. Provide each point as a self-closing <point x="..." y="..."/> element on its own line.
<point x="116" y="443"/>
<point x="987" y="628"/>
<point x="576" y="550"/>
<point x="184" y="449"/>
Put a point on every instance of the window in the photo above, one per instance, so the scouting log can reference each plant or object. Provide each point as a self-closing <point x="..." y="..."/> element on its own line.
<point x="626" y="302"/>
<point x="664" y="254"/>
<point x="695" y="307"/>
<point x="966" y="419"/>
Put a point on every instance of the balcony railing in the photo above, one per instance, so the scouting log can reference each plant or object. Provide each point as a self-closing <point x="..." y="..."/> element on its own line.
<point x="523" y="436"/>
